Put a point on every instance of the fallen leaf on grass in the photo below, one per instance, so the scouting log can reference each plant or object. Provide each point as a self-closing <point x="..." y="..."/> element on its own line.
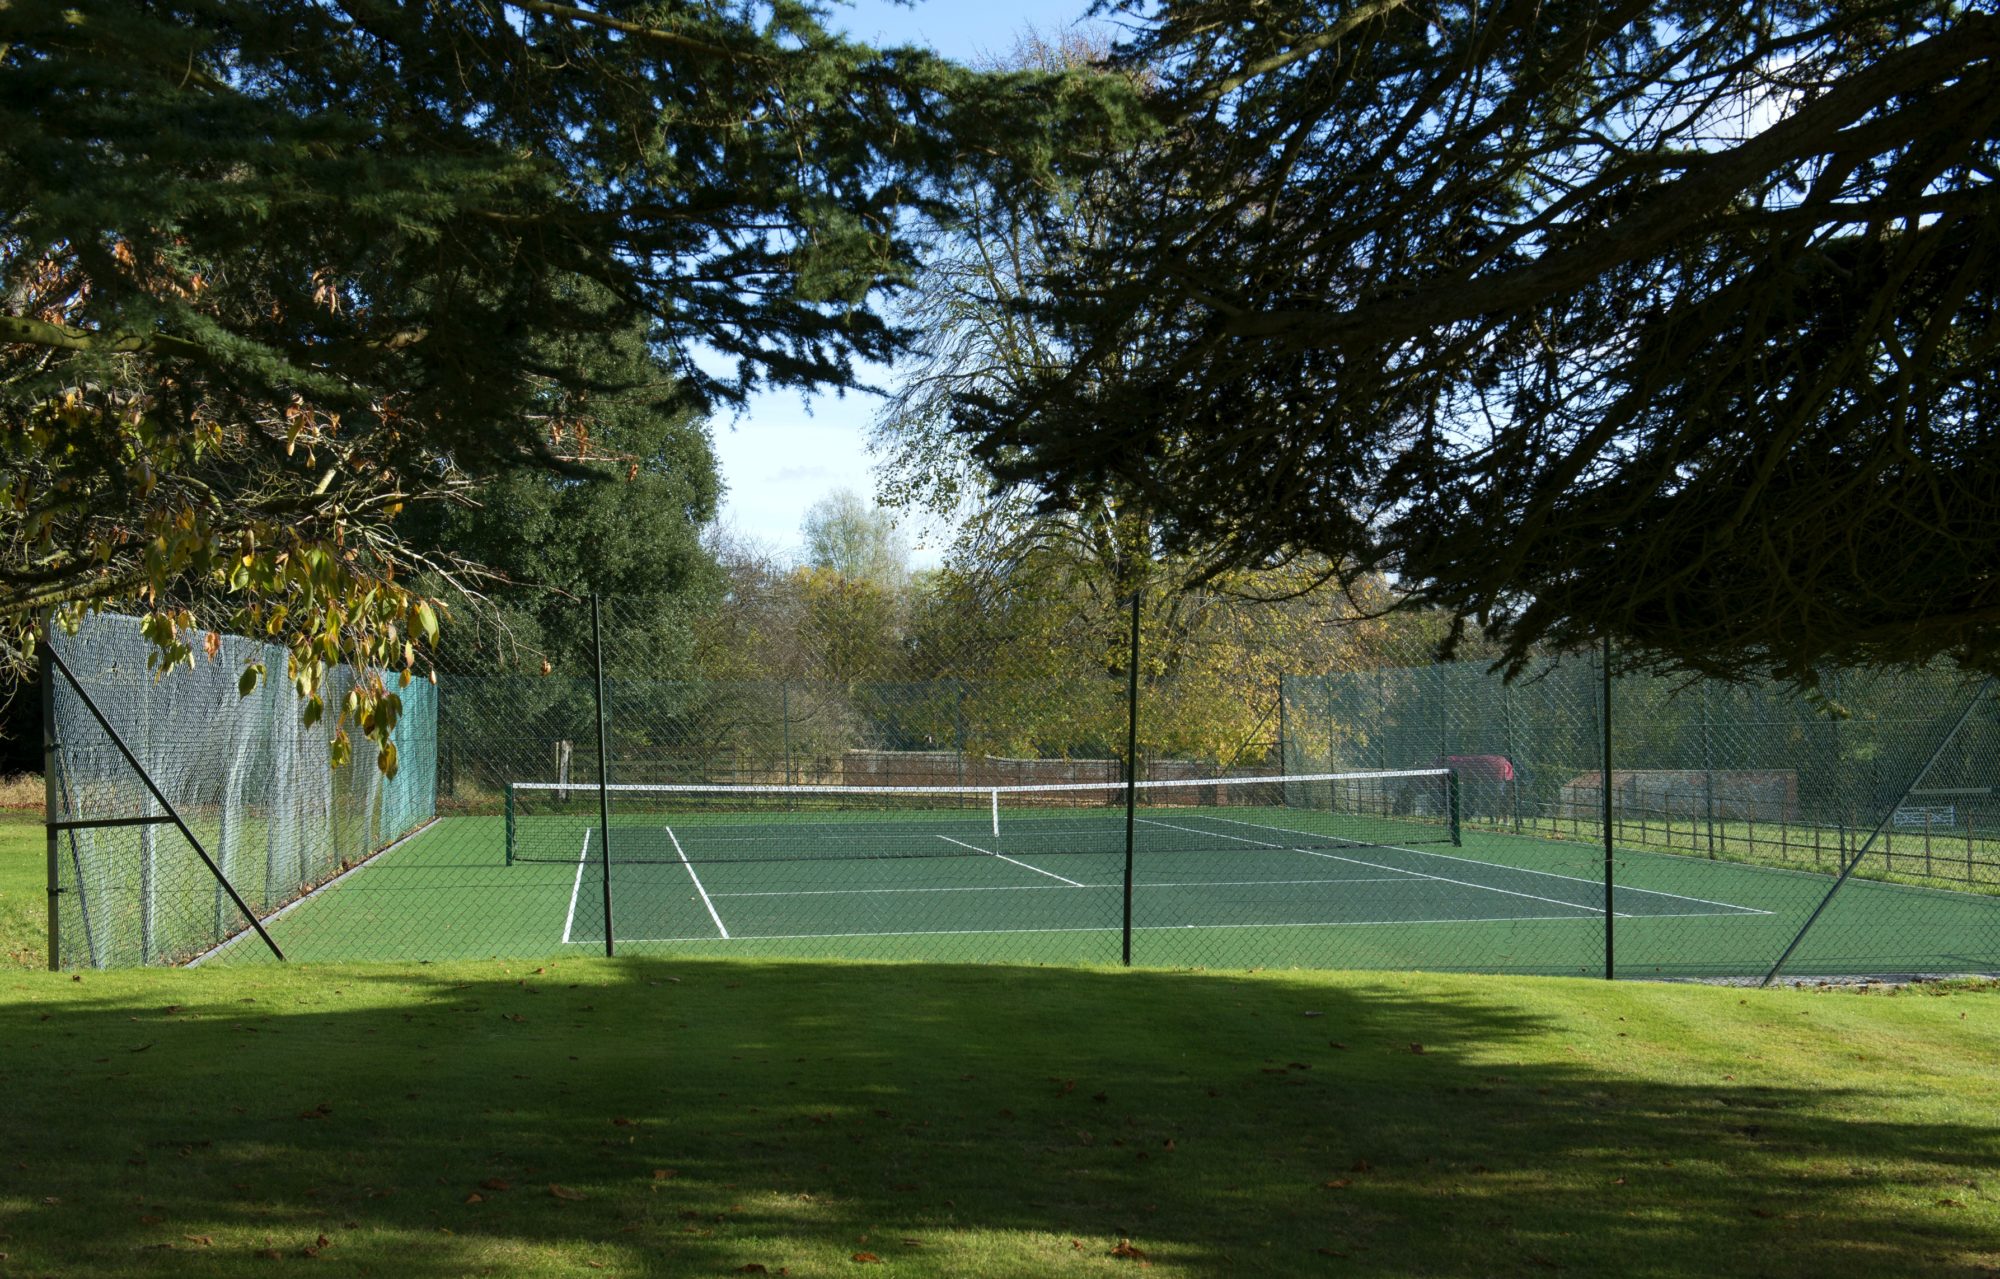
<point x="494" y="1183"/>
<point x="564" y="1192"/>
<point x="1416" y="1048"/>
<point x="665" y="1174"/>
<point x="1339" y="1183"/>
<point x="1125" y="1249"/>
<point x="203" y="1240"/>
<point x="475" y="1198"/>
<point x="866" y="1257"/>
<point x="621" y="1122"/>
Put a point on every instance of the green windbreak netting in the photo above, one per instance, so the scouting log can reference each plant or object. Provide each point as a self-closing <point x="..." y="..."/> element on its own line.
<point x="254" y="785"/>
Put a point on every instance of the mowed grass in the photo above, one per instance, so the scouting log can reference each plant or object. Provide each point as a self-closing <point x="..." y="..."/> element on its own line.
<point x="23" y="891"/>
<point x="654" y="1117"/>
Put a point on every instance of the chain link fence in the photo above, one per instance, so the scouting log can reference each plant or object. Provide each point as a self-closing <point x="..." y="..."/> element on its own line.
<point x="210" y="771"/>
<point x="813" y="769"/>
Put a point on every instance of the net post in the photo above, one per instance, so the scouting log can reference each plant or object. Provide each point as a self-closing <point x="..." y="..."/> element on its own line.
<point x="513" y="831"/>
<point x="46" y="677"/>
<point x="1610" y="914"/>
<point x="996" y="812"/>
<point x="1451" y="802"/>
<point x="1131" y="772"/>
<point x="603" y="770"/>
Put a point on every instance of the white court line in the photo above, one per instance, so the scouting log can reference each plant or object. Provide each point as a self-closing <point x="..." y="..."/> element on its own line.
<point x="1474" y="861"/>
<point x="577" y="887"/>
<point x="1003" y="857"/>
<point x="1360" y="861"/>
<point x="697" y="883"/>
<point x="1044" y="888"/>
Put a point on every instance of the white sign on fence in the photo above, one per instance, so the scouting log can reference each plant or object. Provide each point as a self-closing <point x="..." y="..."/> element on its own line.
<point x="1926" y="815"/>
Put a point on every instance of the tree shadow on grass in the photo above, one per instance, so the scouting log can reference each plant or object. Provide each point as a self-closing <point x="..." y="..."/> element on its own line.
<point x="656" y="1117"/>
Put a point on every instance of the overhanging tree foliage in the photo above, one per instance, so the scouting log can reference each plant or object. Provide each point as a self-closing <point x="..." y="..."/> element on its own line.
<point x="549" y="539"/>
<point x="273" y="270"/>
<point x="1668" y="323"/>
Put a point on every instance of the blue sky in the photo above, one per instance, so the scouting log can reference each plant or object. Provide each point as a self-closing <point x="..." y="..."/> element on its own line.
<point x="783" y="453"/>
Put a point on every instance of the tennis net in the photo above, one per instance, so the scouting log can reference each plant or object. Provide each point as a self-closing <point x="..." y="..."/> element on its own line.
<point x="696" y="823"/>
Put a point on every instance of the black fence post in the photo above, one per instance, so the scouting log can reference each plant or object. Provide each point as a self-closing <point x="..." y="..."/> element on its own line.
<point x="49" y="813"/>
<point x="1131" y="770"/>
<point x="603" y="770"/>
<point x="1610" y="914"/>
<point x="1282" y="769"/>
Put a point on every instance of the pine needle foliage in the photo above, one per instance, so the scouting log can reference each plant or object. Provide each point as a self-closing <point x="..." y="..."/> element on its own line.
<point x="1669" y="324"/>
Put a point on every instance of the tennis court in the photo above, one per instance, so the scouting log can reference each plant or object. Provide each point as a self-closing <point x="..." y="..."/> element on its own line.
<point x="708" y="880"/>
<point x="1351" y="870"/>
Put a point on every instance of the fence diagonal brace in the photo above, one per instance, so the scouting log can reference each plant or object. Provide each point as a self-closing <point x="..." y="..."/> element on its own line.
<point x="1888" y="816"/>
<point x="165" y="803"/>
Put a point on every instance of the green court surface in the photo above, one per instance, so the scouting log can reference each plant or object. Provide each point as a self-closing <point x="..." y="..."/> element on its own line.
<point x="1241" y="887"/>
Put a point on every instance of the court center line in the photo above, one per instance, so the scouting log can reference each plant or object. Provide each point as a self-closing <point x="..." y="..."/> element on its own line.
<point x="1525" y="870"/>
<point x="1003" y="857"/>
<point x="569" y="921"/>
<point x="712" y="913"/>
<point x="1361" y="861"/>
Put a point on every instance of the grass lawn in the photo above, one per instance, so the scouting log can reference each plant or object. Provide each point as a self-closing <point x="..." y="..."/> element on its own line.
<point x="711" y="1117"/>
<point x="23" y="891"/>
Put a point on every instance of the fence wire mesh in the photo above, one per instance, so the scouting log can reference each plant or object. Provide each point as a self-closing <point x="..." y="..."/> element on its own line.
<point x="253" y="785"/>
<point x="818" y="768"/>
